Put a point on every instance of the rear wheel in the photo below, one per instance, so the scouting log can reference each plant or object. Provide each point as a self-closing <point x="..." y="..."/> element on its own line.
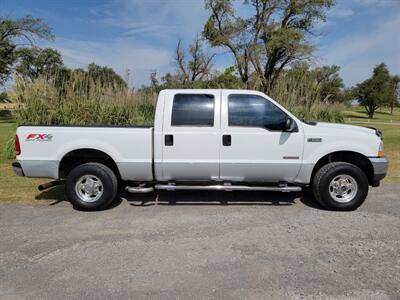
<point x="91" y="186"/>
<point x="340" y="186"/>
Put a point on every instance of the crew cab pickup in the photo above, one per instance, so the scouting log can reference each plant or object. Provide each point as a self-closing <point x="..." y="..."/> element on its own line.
<point x="225" y="140"/>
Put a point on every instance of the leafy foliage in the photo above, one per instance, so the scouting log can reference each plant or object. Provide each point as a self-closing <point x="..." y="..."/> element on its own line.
<point x="376" y="91"/>
<point x="331" y="83"/>
<point x="271" y="38"/>
<point x="104" y="76"/>
<point x="396" y="99"/>
<point x="16" y="33"/>
<point x="4" y="97"/>
<point x="34" y="62"/>
<point x="7" y="58"/>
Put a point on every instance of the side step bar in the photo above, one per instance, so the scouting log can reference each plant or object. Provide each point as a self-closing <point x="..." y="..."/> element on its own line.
<point x="139" y="189"/>
<point x="170" y="187"/>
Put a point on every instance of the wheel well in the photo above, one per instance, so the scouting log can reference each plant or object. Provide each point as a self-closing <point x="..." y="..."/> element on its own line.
<point x="80" y="156"/>
<point x="354" y="158"/>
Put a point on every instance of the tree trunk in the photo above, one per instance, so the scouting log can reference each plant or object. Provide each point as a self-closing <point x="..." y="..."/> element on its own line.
<point x="266" y="88"/>
<point x="371" y="114"/>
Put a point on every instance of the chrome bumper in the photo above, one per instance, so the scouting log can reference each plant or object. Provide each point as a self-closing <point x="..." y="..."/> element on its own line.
<point x="18" y="169"/>
<point x="380" y="165"/>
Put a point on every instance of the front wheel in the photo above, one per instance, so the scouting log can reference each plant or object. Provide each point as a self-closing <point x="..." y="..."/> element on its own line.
<point x="91" y="186"/>
<point x="340" y="186"/>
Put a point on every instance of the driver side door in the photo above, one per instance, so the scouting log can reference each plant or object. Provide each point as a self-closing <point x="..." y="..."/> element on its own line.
<point x="255" y="147"/>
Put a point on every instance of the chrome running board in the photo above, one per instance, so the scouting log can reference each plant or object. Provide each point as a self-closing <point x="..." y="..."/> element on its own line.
<point x="139" y="189"/>
<point x="171" y="187"/>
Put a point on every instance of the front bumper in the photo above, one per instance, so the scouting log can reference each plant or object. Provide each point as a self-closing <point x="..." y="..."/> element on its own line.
<point x="18" y="169"/>
<point x="380" y="166"/>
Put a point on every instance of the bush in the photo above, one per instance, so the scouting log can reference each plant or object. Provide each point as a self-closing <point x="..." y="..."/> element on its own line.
<point x="5" y="114"/>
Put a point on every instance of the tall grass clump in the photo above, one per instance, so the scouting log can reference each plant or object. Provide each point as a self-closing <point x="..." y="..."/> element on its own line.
<point x="302" y="96"/>
<point x="79" y="101"/>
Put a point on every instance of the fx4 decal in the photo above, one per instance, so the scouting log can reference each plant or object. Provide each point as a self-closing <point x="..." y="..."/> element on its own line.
<point x="39" y="137"/>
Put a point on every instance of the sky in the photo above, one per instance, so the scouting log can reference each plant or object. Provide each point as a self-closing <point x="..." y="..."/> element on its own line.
<point x="140" y="35"/>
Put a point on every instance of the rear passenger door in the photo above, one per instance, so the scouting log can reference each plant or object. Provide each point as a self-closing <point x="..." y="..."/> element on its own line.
<point x="191" y="130"/>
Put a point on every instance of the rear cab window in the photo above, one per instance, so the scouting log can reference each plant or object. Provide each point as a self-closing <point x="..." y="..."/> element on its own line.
<point x="193" y="110"/>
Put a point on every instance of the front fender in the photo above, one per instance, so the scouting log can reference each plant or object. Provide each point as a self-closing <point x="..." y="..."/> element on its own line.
<point x="313" y="152"/>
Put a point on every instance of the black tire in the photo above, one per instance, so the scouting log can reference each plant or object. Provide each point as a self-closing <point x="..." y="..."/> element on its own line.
<point x="103" y="176"/>
<point x="323" y="178"/>
<point x="308" y="193"/>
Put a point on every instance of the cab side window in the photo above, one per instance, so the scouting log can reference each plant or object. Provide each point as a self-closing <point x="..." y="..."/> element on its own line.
<point x="254" y="111"/>
<point x="193" y="110"/>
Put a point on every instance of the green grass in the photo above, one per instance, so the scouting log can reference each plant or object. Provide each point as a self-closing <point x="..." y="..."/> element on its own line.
<point x="14" y="188"/>
<point x="385" y="122"/>
<point x="357" y="113"/>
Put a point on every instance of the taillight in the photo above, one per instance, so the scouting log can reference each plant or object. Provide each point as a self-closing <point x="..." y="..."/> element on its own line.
<point x="380" y="151"/>
<point x="17" y="146"/>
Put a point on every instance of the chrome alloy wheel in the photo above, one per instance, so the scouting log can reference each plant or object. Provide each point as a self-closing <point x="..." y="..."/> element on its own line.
<point x="343" y="188"/>
<point x="89" y="188"/>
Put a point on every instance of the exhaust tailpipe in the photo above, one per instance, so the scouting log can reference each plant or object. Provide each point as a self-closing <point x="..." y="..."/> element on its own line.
<point x="50" y="184"/>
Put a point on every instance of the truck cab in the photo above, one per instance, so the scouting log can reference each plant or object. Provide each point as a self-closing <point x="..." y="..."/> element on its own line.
<point x="225" y="135"/>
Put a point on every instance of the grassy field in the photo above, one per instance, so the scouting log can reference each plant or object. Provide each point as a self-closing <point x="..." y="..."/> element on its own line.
<point x="357" y="114"/>
<point x="14" y="188"/>
<point x="390" y="126"/>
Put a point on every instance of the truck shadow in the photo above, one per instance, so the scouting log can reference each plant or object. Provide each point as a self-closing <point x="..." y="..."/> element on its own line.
<point x="219" y="198"/>
<point x="57" y="195"/>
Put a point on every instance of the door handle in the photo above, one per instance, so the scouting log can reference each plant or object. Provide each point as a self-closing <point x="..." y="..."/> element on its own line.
<point x="169" y="140"/>
<point x="226" y="140"/>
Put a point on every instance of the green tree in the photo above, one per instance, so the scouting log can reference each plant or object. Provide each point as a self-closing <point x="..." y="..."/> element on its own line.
<point x="7" y="58"/>
<point x="226" y="80"/>
<point x="396" y="88"/>
<point x="171" y="81"/>
<point x="331" y="83"/>
<point x="4" y="97"/>
<point x="18" y="33"/>
<point x="273" y="36"/>
<point x="376" y="91"/>
<point x="34" y="62"/>
<point x="348" y="95"/>
<point x="105" y="76"/>
<point x="301" y="71"/>
<point x="326" y="79"/>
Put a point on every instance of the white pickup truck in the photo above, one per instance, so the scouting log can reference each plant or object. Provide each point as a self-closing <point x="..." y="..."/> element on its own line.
<point x="207" y="140"/>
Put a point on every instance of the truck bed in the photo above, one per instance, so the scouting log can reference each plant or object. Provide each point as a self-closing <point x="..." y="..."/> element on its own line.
<point x="129" y="146"/>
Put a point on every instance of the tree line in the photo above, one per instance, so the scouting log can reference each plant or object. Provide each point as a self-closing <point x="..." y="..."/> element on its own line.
<point x="270" y="43"/>
<point x="20" y="55"/>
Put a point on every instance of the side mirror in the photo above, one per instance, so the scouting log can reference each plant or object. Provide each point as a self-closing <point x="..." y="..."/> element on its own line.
<point x="290" y="125"/>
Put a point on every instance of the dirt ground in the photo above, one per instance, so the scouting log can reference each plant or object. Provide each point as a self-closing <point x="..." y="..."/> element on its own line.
<point x="203" y="246"/>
